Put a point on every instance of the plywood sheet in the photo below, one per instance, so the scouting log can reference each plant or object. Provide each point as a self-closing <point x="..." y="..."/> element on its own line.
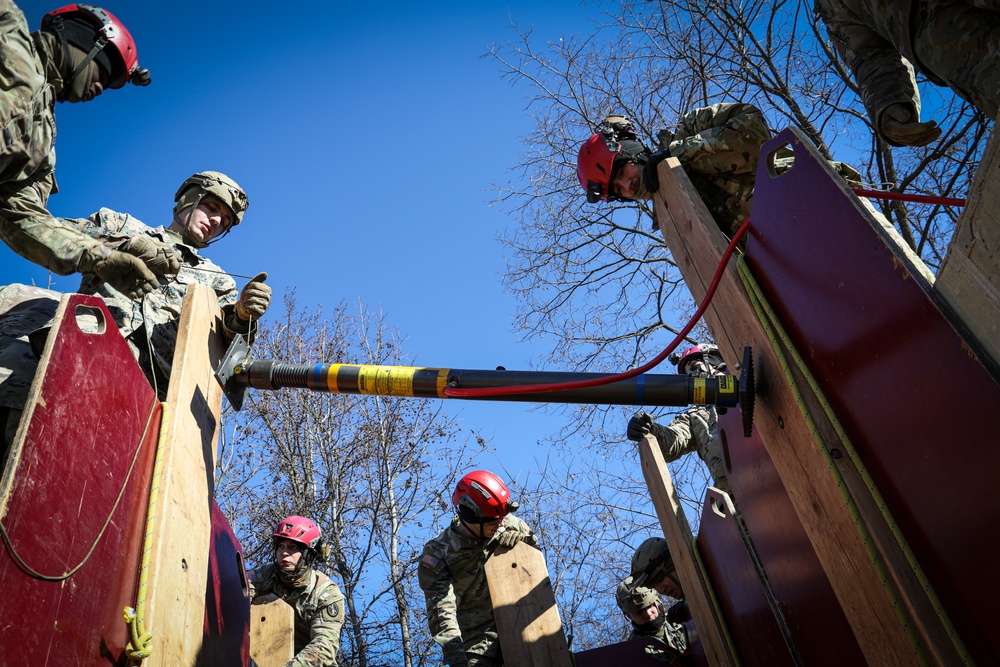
<point x="524" y="606"/>
<point x="272" y="628"/>
<point x="908" y="388"/>
<point x="91" y="413"/>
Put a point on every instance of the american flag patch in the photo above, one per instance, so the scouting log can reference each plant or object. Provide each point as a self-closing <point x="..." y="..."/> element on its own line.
<point x="430" y="561"/>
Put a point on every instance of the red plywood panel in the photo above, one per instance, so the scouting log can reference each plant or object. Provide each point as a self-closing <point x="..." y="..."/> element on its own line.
<point x="632" y="653"/>
<point x="227" y="605"/>
<point x="915" y="401"/>
<point x="87" y="427"/>
<point x="814" y="618"/>
<point x="738" y="589"/>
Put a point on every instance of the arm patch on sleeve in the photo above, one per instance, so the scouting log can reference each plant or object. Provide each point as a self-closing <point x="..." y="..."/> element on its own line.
<point x="430" y="562"/>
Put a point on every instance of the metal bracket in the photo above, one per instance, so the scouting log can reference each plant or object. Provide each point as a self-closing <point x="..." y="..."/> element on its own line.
<point x="231" y="365"/>
<point x="748" y="392"/>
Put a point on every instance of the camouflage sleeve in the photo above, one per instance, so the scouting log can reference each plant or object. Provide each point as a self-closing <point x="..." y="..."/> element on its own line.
<point x="442" y="609"/>
<point x="722" y="138"/>
<point x="688" y="432"/>
<point x="324" y="635"/>
<point x="31" y="231"/>
<point x="884" y="77"/>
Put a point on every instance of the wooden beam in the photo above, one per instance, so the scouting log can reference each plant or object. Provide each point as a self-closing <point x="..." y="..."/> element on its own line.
<point x="272" y="633"/>
<point x="182" y="529"/>
<point x="677" y="531"/>
<point x="697" y="246"/>
<point x="969" y="277"/>
<point x="524" y="606"/>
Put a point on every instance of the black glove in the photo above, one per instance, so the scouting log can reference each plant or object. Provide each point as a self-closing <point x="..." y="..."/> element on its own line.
<point x="640" y="424"/>
<point x="649" y="176"/>
<point x="679" y="613"/>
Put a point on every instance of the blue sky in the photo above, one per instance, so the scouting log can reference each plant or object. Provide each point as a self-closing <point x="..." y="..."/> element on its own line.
<point x="367" y="139"/>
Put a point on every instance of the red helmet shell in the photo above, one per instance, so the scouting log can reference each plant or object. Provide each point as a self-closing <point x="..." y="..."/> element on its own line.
<point x="694" y="353"/>
<point x="593" y="166"/>
<point x="298" y="529"/>
<point x="483" y="493"/>
<point x="105" y="23"/>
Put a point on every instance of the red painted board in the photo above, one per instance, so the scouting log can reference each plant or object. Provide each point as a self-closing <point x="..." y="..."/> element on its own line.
<point x="737" y="587"/>
<point x="815" y="619"/>
<point x="919" y="407"/>
<point x="227" y="605"/>
<point x="88" y="423"/>
<point x="631" y="653"/>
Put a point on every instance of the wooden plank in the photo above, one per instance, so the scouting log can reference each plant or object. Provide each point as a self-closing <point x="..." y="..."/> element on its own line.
<point x="631" y="653"/>
<point x="697" y="246"/>
<point x="677" y="531"/>
<point x="183" y="527"/>
<point x="969" y="277"/>
<point x="525" y="610"/>
<point x="90" y="414"/>
<point x="272" y="633"/>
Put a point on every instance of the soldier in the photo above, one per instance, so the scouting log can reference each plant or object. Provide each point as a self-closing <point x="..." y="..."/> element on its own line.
<point x="718" y="146"/>
<point x="694" y="429"/>
<point x="318" y="602"/>
<point x="208" y="205"/>
<point x="80" y="51"/>
<point x="954" y="44"/>
<point x="452" y="575"/>
<point x="644" y="609"/>
<point x="653" y="567"/>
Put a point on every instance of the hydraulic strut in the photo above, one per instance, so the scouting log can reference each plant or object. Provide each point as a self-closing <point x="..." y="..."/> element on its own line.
<point x="237" y="372"/>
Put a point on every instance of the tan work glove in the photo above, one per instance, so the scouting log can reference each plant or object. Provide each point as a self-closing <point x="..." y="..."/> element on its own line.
<point x="899" y="124"/>
<point x="127" y="274"/>
<point x="509" y="537"/>
<point x="159" y="257"/>
<point x="255" y="297"/>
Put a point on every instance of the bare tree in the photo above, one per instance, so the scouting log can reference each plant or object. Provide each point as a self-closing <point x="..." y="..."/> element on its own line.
<point x="368" y="470"/>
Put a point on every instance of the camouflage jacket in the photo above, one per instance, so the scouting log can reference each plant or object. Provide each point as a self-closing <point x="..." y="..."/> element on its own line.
<point x="319" y="613"/>
<point x="150" y="324"/>
<point x="671" y="634"/>
<point x="696" y="430"/>
<point x="28" y="156"/>
<point x="452" y="576"/>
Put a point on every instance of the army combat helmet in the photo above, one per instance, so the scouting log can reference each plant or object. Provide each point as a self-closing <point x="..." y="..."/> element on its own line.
<point x="652" y="562"/>
<point x="632" y="599"/>
<point x="212" y="186"/>
<point x="103" y="37"/>
<point x="306" y="533"/>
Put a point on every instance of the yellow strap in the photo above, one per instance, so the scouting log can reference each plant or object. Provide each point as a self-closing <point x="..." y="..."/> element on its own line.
<point x="140" y="644"/>
<point x="775" y="331"/>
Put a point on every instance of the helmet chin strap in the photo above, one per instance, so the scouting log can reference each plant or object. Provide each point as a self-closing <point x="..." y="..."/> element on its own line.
<point x="186" y="226"/>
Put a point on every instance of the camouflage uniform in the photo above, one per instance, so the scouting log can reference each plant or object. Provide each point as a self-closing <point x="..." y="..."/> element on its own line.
<point x="150" y="323"/>
<point x="29" y="83"/>
<point x="319" y="613"/>
<point x="459" y="609"/>
<point x="955" y="44"/>
<point x="696" y="430"/>
<point x="671" y="634"/>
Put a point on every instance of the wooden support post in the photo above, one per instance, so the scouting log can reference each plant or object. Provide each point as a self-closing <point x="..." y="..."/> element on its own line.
<point x="182" y="529"/>
<point x="969" y="277"/>
<point x="697" y="593"/>
<point x="524" y="606"/>
<point x="272" y="633"/>
<point x="697" y="245"/>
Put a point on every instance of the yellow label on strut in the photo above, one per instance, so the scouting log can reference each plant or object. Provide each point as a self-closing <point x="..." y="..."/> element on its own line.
<point x="698" y="397"/>
<point x="727" y="384"/>
<point x="386" y="380"/>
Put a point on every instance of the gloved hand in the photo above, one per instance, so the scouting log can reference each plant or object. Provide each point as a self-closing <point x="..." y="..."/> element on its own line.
<point x="159" y="257"/>
<point x="649" y="176"/>
<point x="127" y="274"/>
<point x="255" y="297"/>
<point x="899" y="124"/>
<point x="640" y="424"/>
<point x="509" y="537"/>
<point x="678" y="613"/>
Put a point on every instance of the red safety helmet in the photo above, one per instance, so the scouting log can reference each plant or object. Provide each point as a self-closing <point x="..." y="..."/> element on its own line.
<point x="108" y="30"/>
<point x="703" y="351"/>
<point x="482" y="495"/>
<point x="299" y="529"/>
<point x="594" y="166"/>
